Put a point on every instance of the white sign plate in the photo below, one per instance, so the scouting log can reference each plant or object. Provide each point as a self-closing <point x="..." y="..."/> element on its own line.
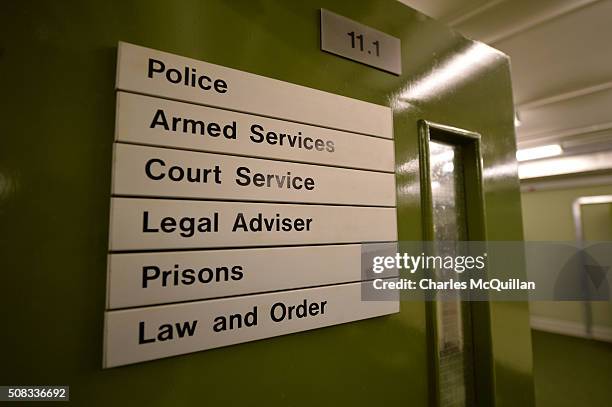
<point x="162" y="172"/>
<point x="166" y="123"/>
<point x="151" y="72"/>
<point x="143" y="224"/>
<point x="356" y="41"/>
<point x="143" y="334"/>
<point x="138" y="279"/>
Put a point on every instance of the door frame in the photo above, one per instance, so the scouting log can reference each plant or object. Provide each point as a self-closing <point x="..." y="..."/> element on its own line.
<point x="480" y="317"/>
<point x="579" y="231"/>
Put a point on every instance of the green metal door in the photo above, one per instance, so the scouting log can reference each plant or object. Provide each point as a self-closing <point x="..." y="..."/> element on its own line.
<point x="57" y="72"/>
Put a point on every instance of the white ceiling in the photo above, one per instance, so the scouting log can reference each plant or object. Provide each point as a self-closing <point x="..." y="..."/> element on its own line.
<point x="561" y="62"/>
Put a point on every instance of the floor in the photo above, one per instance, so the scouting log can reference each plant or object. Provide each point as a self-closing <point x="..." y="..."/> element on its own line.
<point x="571" y="371"/>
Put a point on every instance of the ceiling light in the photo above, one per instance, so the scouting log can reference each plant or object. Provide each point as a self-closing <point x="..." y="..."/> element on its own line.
<point x="566" y="165"/>
<point x="534" y="153"/>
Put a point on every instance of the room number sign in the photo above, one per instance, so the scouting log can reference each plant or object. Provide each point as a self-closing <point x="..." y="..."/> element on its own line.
<point x="352" y="40"/>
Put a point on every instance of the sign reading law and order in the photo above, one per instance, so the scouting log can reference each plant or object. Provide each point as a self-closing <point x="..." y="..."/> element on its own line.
<point x="241" y="199"/>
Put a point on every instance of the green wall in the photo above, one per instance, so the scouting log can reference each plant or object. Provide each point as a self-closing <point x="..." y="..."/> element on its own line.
<point x="57" y="73"/>
<point x="547" y="216"/>
<point x="547" y="213"/>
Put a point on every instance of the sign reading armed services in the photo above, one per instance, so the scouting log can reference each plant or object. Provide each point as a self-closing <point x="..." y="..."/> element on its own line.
<point x="226" y="184"/>
<point x="167" y="123"/>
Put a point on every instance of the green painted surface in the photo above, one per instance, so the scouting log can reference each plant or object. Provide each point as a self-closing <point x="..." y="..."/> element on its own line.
<point x="57" y="71"/>
<point x="547" y="214"/>
<point x="571" y="372"/>
<point x="597" y="222"/>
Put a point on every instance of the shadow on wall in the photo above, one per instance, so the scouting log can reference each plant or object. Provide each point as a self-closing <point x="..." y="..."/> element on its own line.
<point x="547" y="216"/>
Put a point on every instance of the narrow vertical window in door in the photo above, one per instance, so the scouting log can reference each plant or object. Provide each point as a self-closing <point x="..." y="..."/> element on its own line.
<point x="453" y="210"/>
<point x="452" y="319"/>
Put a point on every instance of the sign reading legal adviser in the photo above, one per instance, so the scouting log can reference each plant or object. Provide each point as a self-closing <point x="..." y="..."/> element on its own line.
<point x="262" y="171"/>
<point x="154" y="224"/>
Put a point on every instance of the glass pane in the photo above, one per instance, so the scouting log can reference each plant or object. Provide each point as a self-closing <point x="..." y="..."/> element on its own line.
<point x="447" y="191"/>
<point x="449" y="220"/>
